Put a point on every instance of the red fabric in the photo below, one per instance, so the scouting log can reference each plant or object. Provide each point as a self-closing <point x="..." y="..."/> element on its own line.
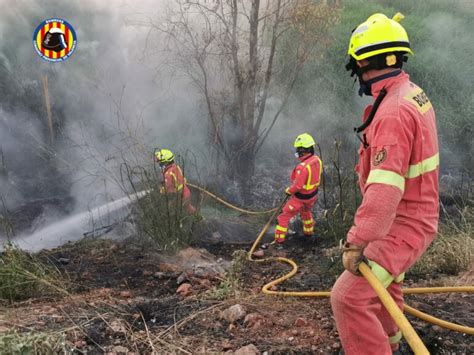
<point x="173" y="178"/>
<point x="363" y="324"/>
<point x="292" y="208"/>
<point x="395" y="226"/>
<point x="299" y="175"/>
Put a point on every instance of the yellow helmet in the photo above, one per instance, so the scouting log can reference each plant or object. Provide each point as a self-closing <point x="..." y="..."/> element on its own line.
<point x="164" y="156"/>
<point x="378" y="35"/>
<point x="304" y="141"/>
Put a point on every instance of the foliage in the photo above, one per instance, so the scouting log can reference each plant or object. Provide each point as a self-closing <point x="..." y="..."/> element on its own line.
<point x="23" y="275"/>
<point x="453" y="249"/>
<point x="33" y="343"/>
<point x="232" y="282"/>
<point x="439" y="31"/>
<point x="161" y="217"/>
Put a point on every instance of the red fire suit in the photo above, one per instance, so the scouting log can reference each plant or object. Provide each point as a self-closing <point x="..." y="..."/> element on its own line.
<point x="305" y="178"/>
<point x="174" y="183"/>
<point x="398" y="217"/>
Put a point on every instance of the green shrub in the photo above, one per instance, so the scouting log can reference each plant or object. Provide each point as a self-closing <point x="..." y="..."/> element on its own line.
<point x="33" y="343"/>
<point x="24" y="276"/>
<point x="232" y="282"/>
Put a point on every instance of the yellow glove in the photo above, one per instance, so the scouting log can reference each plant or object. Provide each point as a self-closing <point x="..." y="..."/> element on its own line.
<point x="352" y="256"/>
<point x="287" y="191"/>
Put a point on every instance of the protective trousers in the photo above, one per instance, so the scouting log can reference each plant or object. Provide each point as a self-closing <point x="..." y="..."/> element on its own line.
<point x="364" y="326"/>
<point x="291" y="209"/>
<point x="187" y="201"/>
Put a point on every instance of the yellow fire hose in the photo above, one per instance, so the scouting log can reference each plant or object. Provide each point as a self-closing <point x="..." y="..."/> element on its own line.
<point x="406" y="328"/>
<point x="227" y="203"/>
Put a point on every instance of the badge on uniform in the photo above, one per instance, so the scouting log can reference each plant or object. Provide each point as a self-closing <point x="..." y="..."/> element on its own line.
<point x="380" y="156"/>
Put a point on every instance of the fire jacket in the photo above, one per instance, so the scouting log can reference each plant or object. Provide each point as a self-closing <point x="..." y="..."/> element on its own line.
<point x="398" y="170"/>
<point x="306" y="176"/>
<point x="174" y="179"/>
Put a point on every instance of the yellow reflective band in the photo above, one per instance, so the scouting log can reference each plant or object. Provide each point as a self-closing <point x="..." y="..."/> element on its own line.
<point x="386" y="177"/>
<point x="179" y="187"/>
<point x="423" y="167"/>
<point x="382" y="275"/>
<point x="281" y="229"/>
<point x="310" y="221"/>
<point x="308" y="229"/>
<point x="308" y="185"/>
<point x="395" y="338"/>
<point x="399" y="278"/>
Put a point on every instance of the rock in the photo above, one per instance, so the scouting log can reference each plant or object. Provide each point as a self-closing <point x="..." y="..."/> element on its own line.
<point x="118" y="349"/>
<point x="226" y="344"/>
<point x="291" y="338"/>
<point x="114" y="247"/>
<point x="116" y="327"/>
<point x="247" y="350"/>
<point x="294" y="332"/>
<point x="254" y="320"/>
<point x="147" y="273"/>
<point x="234" y="313"/>
<point x="125" y="294"/>
<point x="182" y="278"/>
<point x="64" y="261"/>
<point x="273" y="288"/>
<point x="259" y="254"/>
<point x="167" y="267"/>
<point x="335" y="345"/>
<point x="301" y="322"/>
<point x="184" y="289"/>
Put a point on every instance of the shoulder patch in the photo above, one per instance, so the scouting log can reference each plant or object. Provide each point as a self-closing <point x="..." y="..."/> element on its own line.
<point x="380" y="156"/>
<point x="418" y="98"/>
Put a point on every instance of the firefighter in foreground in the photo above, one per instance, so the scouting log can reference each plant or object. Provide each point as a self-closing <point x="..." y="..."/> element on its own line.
<point x="398" y="176"/>
<point x="305" y="179"/>
<point x="174" y="181"/>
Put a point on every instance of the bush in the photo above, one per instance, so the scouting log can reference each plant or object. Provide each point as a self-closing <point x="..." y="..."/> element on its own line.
<point x="24" y="276"/>
<point x="452" y="251"/>
<point x="161" y="218"/>
<point x="33" y="343"/>
<point x="232" y="282"/>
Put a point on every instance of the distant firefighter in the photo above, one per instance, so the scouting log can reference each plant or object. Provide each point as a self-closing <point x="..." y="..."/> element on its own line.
<point x="305" y="178"/>
<point x="55" y="40"/>
<point x="174" y="181"/>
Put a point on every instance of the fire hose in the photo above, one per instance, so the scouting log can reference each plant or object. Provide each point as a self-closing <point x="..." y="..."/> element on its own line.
<point x="404" y="325"/>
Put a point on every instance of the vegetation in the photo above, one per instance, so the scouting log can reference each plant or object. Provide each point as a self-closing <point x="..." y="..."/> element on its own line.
<point x="24" y="276"/>
<point x="232" y="282"/>
<point x="33" y="343"/>
<point x="452" y="251"/>
<point x="161" y="218"/>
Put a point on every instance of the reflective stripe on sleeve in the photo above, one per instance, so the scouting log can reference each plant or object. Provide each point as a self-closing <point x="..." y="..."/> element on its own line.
<point x="383" y="275"/>
<point x="423" y="167"/>
<point x="386" y="177"/>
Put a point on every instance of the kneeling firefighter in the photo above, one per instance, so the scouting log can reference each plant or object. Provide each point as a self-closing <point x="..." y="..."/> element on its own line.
<point x="174" y="181"/>
<point x="305" y="178"/>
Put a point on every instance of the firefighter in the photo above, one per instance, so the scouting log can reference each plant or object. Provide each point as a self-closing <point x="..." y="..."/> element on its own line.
<point x="398" y="177"/>
<point x="305" y="179"/>
<point x="174" y="181"/>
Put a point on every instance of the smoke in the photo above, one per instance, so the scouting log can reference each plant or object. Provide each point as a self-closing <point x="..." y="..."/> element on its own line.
<point x="111" y="102"/>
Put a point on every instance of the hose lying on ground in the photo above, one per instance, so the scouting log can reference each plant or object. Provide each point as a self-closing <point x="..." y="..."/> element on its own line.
<point x="407" y="330"/>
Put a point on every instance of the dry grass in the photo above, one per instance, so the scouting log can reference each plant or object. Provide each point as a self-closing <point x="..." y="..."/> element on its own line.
<point x="24" y="276"/>
<point x="453" y="250"/>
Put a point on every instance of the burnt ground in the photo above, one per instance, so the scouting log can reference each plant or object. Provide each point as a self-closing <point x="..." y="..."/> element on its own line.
<point x="123" y="298"/>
